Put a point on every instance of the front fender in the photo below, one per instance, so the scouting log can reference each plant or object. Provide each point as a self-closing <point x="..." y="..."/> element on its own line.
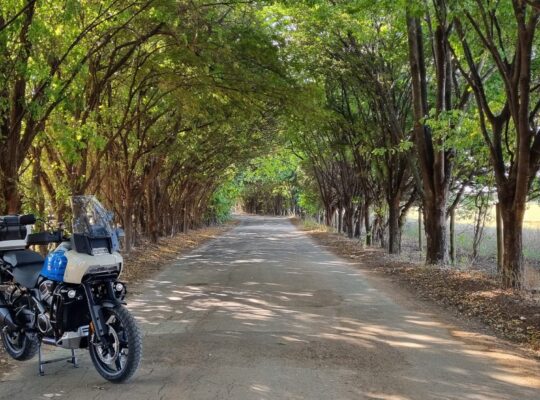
<point x="112" y="303"/>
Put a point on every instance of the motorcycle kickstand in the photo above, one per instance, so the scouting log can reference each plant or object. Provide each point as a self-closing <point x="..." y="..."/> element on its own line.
<point x="72" y="360"/>
<point x="40" y="358"/>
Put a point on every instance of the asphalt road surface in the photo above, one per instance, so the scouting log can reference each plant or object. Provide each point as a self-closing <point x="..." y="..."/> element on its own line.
<point x="264" y="313"/>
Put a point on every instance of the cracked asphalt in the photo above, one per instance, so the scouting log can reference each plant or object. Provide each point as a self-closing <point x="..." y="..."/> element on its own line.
<point x="265" y="313"/>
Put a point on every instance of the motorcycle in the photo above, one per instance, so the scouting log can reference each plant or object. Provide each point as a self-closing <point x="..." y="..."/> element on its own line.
<point x="72" y="298"/>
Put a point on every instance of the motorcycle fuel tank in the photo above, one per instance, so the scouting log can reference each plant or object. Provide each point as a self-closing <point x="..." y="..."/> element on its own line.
<point x="55" y="265"/>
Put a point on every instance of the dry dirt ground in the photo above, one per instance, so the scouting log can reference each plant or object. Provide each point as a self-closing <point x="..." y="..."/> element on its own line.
<point x="265" y="312"/>
<point x="470" y="295"/>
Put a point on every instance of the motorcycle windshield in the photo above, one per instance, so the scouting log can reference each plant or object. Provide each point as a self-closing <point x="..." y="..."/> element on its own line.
<point x="90" y="218"/>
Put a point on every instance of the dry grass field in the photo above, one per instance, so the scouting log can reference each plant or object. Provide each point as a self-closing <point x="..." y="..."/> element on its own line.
<point x="486" y="259"/>
<point x="487" y="251"/>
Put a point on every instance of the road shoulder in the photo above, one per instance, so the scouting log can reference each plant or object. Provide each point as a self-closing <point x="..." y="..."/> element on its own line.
<point x="469" y="312"/>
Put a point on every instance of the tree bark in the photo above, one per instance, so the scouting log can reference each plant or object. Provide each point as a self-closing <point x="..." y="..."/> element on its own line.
<point x="435" y="228"/>
<point x="367" y="224"/>
<point x="500" y="242"/>
<point x="512" y="216"/>
<point x="394" y="229"/>
<point x="453" y="236"/>
<point x="128" y="223"/>
<point x="420" y="228"/>
<point x="359" y="221"/>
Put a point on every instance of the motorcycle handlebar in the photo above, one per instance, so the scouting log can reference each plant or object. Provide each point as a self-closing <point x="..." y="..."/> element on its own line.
<point x="17" y="220"/>
<point x="27" y="219"/>
<point x="44" y="238"/>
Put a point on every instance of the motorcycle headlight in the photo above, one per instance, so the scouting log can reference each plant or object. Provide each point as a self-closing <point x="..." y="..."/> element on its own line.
<point x="103" y="269"/>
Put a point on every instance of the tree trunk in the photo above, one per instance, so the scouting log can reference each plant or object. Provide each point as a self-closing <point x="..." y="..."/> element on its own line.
<point x="453" y="236"/>
<point x="349" y="221"/>
<point x="435" y="228"/>
<point x="328" y="214"/>
<point x="367" y="224"/>
<point x="420" y="228"/>
<point x="185" y="218"/>
<point x="128" y="224"/>
<point x="435" y="163"/>
<point x="394" y="231"/>
<point x="512" y="216"/>
<point x="359" y="221"/>
<point x="152" y="225"/>
<point x="500" y="242"/>
<point x="10" y="189"/>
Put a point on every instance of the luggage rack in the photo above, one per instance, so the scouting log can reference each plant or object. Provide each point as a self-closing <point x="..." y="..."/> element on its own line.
<point x="14" y="231"/>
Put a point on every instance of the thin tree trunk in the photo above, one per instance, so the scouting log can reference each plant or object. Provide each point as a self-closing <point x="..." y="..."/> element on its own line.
<point x="420" y="229"/>
<point x="359" y="221"/>
<point x="394" y="236"/>
<point x="453" y="236"/>
<point x="349" y="221"/>
<point x="367" y="224"/>
<point x="128" y="224"/>
<point x="500" y="242"/>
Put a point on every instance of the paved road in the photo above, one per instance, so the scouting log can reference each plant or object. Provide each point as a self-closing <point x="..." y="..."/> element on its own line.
<point x="264" y="313"/>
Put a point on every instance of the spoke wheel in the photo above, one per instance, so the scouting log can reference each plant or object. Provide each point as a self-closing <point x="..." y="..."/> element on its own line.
<point x="118" y="360"/>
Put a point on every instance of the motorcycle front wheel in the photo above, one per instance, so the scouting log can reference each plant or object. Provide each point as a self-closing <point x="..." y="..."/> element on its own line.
<point x="118" y="361"/>
<point x="18" y="345"/>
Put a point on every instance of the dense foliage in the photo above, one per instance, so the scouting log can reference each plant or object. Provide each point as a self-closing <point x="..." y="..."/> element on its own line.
<point x="148" y="104"/>
<point x="352" y="111"/>
<point x="416" y="103"/>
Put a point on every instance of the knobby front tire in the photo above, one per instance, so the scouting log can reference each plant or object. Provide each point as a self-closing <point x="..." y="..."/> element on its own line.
<point x="119" y="362"/>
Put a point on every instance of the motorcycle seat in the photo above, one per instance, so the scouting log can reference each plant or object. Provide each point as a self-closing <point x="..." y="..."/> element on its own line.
<point x="26" y="265"/>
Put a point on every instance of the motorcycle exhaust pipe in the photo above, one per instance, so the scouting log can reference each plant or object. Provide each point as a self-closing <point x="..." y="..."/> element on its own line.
<point x="5" y="315"/>
<point x="49" y="341"/>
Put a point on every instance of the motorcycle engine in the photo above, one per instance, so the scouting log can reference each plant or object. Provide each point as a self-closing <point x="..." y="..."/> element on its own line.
<point x="46" y="290"/>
